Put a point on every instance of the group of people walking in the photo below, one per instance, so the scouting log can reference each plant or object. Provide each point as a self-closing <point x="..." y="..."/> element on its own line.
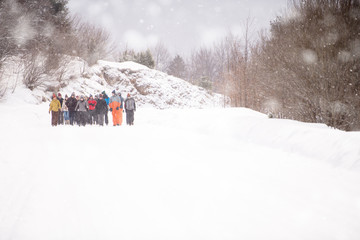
<point x="75" y="110"/>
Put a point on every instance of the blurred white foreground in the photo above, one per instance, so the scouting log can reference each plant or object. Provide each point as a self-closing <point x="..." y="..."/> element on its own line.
<point x="177" y="174"/>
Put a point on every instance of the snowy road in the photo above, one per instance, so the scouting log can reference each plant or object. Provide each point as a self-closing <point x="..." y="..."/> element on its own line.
<point x="177" y="174"/>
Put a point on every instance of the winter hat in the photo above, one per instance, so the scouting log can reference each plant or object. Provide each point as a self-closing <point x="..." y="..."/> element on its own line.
<point x="66" y="96"/>
<point x="54" y="95"/>
<point x="73" y="94"/>
<point x="113" y="92"/>
<point x="59" y="94"/>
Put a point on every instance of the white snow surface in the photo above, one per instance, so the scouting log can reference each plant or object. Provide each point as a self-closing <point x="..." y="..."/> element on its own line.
<point x="209" y="173"/>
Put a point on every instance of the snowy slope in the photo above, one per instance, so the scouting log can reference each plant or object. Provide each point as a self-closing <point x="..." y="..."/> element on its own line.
<point x="154" y="88"/>
<point x="149" y="87"/>
<point x="177" y="174"/>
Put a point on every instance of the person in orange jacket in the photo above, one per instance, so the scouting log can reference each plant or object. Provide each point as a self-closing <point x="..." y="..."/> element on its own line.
<point x="114" y="105"/>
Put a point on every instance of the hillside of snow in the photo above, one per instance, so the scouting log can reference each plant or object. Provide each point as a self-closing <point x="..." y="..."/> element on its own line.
<point x="149" y="87"/>
<point x="219" y="173"/>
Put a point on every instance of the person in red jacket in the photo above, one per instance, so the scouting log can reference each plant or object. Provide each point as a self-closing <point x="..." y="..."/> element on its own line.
<point x="92" y="112"/>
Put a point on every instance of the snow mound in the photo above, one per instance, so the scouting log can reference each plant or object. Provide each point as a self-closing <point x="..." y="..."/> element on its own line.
<point x="154" y="88"/>
<point x="150" y="88"/>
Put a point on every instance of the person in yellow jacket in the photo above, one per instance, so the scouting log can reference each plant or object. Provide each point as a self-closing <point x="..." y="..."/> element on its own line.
<point x="54" y="108"/>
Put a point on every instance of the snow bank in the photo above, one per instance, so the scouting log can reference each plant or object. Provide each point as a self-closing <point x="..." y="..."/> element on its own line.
<point x="335" y="147"/>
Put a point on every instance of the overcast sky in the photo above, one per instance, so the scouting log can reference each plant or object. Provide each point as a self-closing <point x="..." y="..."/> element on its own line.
<point x="181" y="25"/>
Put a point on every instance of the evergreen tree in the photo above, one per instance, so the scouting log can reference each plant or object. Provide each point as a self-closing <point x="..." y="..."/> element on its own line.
<point x="128" y="55"/>
<point x="145" y="58"/>
<point x="177" y="67"/>
<point x="27" y="25"/>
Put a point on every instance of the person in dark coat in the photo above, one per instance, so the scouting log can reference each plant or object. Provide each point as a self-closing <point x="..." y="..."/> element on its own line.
<point x="71" y="104"/>
<point x="61" y="115"/>
<point x="96" y="115"/>
<point x="107" y="100"/>
<point x="130" y="108"/>
<point x="101" y="110"/>
<point x="82" y="107"/>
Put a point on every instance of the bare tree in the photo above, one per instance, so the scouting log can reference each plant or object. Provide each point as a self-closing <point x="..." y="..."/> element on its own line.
<point x="246" y="75"/>
<point x="161" y="57"/>
<point x="203" y="68"/>
<point x="309" y="64"/>
<point x="229" y="61"/>
<point x="93" y="43"/>
<point x="34" y="71"/>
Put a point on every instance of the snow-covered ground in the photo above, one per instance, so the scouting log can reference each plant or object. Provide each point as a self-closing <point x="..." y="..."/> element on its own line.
<point x="176" y="174"/>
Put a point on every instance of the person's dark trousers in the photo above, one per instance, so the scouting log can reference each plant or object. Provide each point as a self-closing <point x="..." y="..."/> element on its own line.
<point x="72" y="116"/>
<point x="61" y="118"/>
<point x="82" y="118"/>
<point x="106" y="118"/>
<point x="127" y="117"/>
<point x="92" y="117"/>
<point x="89" y="117"/>
<point x="130" y="117"/>
<point x="54" y="118"/>
<point x="97" y="118"/>
<point x="100" y="119"/>
<point x="77" y="118"/>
